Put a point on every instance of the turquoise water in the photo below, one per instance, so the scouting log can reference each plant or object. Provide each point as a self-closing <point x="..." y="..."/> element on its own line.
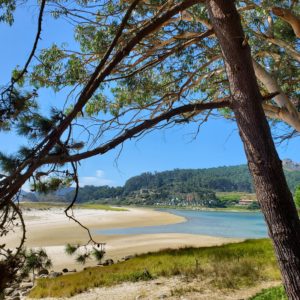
<point x="214" y="223"/>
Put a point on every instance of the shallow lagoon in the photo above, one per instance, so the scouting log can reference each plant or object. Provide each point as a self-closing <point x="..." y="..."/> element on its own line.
<point x="213" y="223"/>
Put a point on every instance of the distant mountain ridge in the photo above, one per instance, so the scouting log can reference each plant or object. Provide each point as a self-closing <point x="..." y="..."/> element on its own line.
<point x="290" y="165"/>
<point x="175" y="186"/>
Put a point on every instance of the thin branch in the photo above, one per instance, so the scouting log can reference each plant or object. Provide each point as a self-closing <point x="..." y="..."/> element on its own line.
<point x="96" y="79"/>
<point x="70" y="206"/>
<point x="196" y="108"/>
<point x="32" y="53"/>
<point x="132" y="132"/>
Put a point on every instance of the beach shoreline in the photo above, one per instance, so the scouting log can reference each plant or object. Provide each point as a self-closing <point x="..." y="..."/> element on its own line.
<point x="51" y="230"/>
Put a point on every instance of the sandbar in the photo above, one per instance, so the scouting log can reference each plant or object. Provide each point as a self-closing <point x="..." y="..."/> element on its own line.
<point x="52" y="230"/>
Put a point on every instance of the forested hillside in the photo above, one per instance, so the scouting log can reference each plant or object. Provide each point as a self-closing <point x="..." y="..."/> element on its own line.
<point x="217" y="179"/>
<point x="192" y="186"/>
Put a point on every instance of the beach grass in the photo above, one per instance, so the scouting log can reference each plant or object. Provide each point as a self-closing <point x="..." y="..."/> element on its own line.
<point x="100" y="207"/>
<point x="230" y="266"/>
<point x="42" y="205"/>
<point x="274" y="293"/>
<point x="48" y="205"/>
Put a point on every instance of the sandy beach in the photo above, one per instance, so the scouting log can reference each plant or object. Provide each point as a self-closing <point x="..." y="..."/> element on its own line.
<point x="52" y="230"/>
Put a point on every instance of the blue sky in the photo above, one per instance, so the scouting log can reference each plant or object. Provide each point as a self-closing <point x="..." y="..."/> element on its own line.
<point x="217" y="143"/>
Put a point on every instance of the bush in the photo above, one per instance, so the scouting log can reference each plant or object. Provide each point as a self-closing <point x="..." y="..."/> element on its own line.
<point x="35" y="261"/>
<point x="233" y="266"/>
<point x="275" y="293"/>
<point x="297" y="196"/>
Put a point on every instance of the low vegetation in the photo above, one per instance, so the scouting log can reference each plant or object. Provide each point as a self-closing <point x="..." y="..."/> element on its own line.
<point x="41" y="205"/>
<point x="48" y="205"/>
<point x="274" y="293"/>
<point x="230" y="266"/>
<point x="234" y="197"/>
<point x="35" y="261"/>
<point x="100" y="207"/>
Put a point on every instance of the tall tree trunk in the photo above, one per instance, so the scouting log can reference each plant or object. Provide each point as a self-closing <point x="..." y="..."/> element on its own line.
<point x="265" y="166"/>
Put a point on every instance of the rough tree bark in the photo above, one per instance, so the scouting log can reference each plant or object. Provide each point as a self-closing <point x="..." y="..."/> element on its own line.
<point x="265" y="166"/>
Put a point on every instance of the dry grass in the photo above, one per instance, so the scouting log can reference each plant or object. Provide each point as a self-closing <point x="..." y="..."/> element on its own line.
<point x="48" y="205"/>
<point x="230" y="266"/>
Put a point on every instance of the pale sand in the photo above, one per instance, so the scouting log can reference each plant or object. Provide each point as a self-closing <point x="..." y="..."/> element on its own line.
<point x="173" y="288"/>
<point x="51" y="230"/>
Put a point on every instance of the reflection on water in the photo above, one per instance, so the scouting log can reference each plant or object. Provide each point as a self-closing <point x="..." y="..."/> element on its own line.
<point x="214" y="223"/>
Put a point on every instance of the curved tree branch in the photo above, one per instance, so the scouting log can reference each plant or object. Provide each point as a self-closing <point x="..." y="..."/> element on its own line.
<point x="100" y="73"/>
<point x="286" y="110"/>
<point x="37" y="37"/>
<point x="195" y="108"/>
<point x="132" y="132"/>
<point x="289" y="17"/>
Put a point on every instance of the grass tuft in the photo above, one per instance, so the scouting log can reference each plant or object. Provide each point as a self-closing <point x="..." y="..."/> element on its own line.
<point x="274" y="293"/>
<point x="48" y="205"/>
<point x="100" y="207"/>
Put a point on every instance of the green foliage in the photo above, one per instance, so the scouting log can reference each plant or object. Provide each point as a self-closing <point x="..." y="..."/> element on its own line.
<point x="41" y="206"/>
<point x="221" y="179"/>
<point x="14" y="106"/>
<point x="8" y="163"/>
<point x="83" y="254"/>
<point x="254" y="206"/>
<point x="283" y="31"/>
<point x="82" y="258"/>
<point x="297" y="196"/>
<point x="35" y="126"/>
<point x="160" y="73"/>
<point x="168" y="76"/>
<point x="177" y="187"/>
<point x="51" y="184"/>
<point x="97" y="104"/>
<point x="74" y="70"/>
<point x="50" y="72"/>
<point x="36" y="260"/>
<point x="149" y="81"/>
<point x="274" y="293"/>
<point x="16" y="74"/>
<point x="92" y="193"/>
<point x="7" y="8"/>
<point x="71" y="249"/>
<point x="98" y="254"/>
<point x="100" y="207"/>
<point x="230" y="197"/>
<point x="231" y="266"/>
<point x="48" y="205"/>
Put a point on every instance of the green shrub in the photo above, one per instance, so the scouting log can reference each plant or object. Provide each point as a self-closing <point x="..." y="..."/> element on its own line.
<point x="297" y="196"/>
<point x="231" y="266"/>
<point x="275" y="293"/>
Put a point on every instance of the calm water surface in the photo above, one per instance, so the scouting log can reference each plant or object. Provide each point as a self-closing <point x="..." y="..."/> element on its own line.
<point x="214" y="223"/>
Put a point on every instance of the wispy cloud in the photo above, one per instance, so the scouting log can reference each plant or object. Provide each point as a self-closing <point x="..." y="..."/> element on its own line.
<point x="97" y="180"/>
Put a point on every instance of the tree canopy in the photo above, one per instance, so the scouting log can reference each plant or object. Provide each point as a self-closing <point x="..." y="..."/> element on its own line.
<point x="138" y="66"/>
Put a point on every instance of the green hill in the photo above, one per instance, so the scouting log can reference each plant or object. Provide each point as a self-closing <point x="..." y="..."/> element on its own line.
<point x="179" y="186"/>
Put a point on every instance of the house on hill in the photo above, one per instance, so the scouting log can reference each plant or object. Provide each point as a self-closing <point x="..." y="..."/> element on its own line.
<point x="245" y="202"/>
